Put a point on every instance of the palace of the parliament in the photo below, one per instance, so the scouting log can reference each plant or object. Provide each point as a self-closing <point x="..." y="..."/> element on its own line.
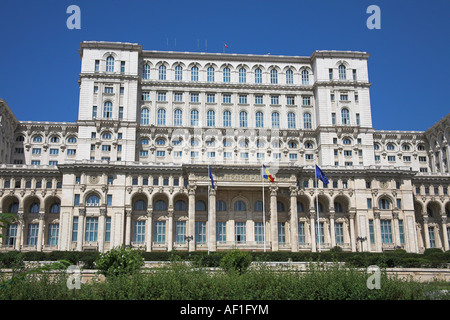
<point x="134" y="168"/>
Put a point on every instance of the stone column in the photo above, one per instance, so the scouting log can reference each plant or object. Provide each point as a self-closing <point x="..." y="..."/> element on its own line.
<point x="190" y="232"/>
<point x="396" y="229"/>
<point x="101" y="230"/>
<point x="19" y="236"/>
<point x="352" y="231"/>
<point x="40" y="239"/>
<point x="170" y="230"/>
<point x="212" y="244"/>
<point x="425" y="231"/>
<point x="80" y="233"/>
<point x="332" y="229"/>
<point x="273" y="218"/>
<point x="377" y="231"/>
<point x="444" y="232"/>
<point x="128" y="227"/>
<point x="149" y="229"/>
<point x="312" y="225"/>
<point x="294" y="218"/>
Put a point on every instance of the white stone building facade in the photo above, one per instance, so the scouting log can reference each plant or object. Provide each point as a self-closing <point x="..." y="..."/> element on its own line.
<point x="133" y="169"/>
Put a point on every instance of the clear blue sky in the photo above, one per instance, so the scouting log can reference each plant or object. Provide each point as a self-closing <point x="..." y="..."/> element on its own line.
<point x="409" y="65"/>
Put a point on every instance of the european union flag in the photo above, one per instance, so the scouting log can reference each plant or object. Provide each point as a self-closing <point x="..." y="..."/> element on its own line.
<point x="321" y="176"/>
<point x="211" y="177"/>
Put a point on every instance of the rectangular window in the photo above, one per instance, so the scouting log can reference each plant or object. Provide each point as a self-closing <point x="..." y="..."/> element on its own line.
<point x="200" y="232"/>
<point x="75" y="229"/>
<point x="401" y="231"/>
<point x="399" y="203"/>
<point x="160" y="232"/>
<point x="71" y="152"/>
<point x="32" y="234"/>
<point x="160" y="153"/>
<point x="194" y="97"/>
<point x="108" y="230"/>
<point x="258" y="99"/>
<point x="259" y="232"/>
<point x="243" y="99"/>
<point x="227" y="155"/>
<point x="120" y="112"/>
<point x="161" y="96"/>
<point x="357" y="119"/>
<point x="301" y="233"/>
<point x="339" y="232"/>
<point x="109" y="90"/>
<point x="53" y="163"/>
<point x="178" y="97"/>
<point x="306" y="100"/>
<point x="221" y="232"/>
<point x="431" y="236"/>
<point x="386" y="231"/>
<point x="94" y="112"/>
<point x="91" y="229"/>
<point x="139" y="232"/>
<point x="145" y="96"/>
<point x="371" y="231"/>
<point x="290" y="101"/>
<point x="106" y="148"/>
<point x="354" y="74"/>
<point x="180" y="231"/>
<point x="281" y="232"/>
<point x="210" y="98"/>
<point x="36" y="151"/>
<point x="109" y="200"/>
<point x="11" y="235"/>
<point x="292" y="156"/>
<point x="319" y="233"/>
<point x="53" y="231"/>
<point x="122" y="66"/>
<point x="369" y="203"/>
<point x="239" y="232"/>
<point x="54" y="152"/>
<point x="35" y="162"/>
<point x="97" y="65"/>
<point x="333" y="118"/>
<point x="330" y="74"/>
<point x="391" y="158"/>
<point x="226" y="98"/>
<point x="274" y="100"/>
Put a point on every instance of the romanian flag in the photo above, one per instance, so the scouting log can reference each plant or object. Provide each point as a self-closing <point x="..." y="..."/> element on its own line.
<point x="267" y="175"/>
<point x="225" y="45"/>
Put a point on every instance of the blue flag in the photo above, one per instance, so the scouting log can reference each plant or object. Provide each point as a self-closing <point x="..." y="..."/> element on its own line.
<point x="211" y="177"/>
<point x="321" y="176"/>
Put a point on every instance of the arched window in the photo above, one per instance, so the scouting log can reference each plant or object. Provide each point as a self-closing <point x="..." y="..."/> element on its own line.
<point x="93" y="200"/>
<point x="227" y="118"/>
<point x="226" y="75"/>
<point x="72" y="140"/>
<point x="305" y="77"/>
<point x="240" y="206"/>
<point x="194" y="118"/>
<point x="37" y="139"/>
<point x="146" y="72"/>
<point x="275" y="120"/>
<point x="20" y="138"/>
<point x="54" y="139"/>
<point x="291" y="120"/>
<point x="210" y="74"/>
<point x="162" y="73"/>
<point x="376" y="146"/>
<point x="384" y="204"/>
<point x="178" y="117"/>
<point x="320" y="206"/>
<point x="243" y="119"/>
<point x="406" y="147"/>
<point x="178" y="73"/>
<point x="259" y="119"/>
<point x="300" y="207"/>
<point x="307" y="121"/>
<point x="145" y="116"/>
<point x="244" y="143"/>
<point x="258" y="207"/>
<point x="160" y="205"/>
<point x="107" y="110"/>
<point x="144" y="141"/>
<point x="55" y="208"/>
<point x="342" y="72"/>
<point x="110" y="64"/>
<point x="308" y="145"/>
<point x="345" y="116"/>
<point x="242" y="75"/>
<point x="221" y="205"/>
<point x="140" y="205"/>
<point x="180" y="205"/>
<point x="200" y="205"/>
<point x="34" y="207"/>
<point x="161" y="117"/>
<point x="390" y="146"/>
<point x="211" y="118"/>
<point x="346" y="141"/>
<point x="106" y="136"/>
<point x="273" y="76"/>
<point x="337" y="207"/>
<point x="194" y="74"/>
<point x="292" y="145"/>
<point x="14" y="207"/>
<point x="289" y="76"/>
<point x="258" y="76"/>
<point x="280" y="206"/>
<point x="160" y="142"/>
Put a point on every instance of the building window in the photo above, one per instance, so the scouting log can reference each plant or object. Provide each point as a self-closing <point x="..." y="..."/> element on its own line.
<point x="289" y="76"/>
<point x="301" y="233"/>
<point x="227" y="119"/>
<point x="401" y="231"/>
<point x="53" y="231"/>
<point x="194" y="74"/>
<point x="194" y="118"/>
<point x="275" y="100"/>
<point x="122" y="66"/>
<point x="319" y="232"/>
<point x="32" y="236"/>
<point x="161" y="117"/>
<point x="386" y="232"/>
<point x="146" y="72"/>
<point x="339" y="232"/>
<point x="178" y="73"/>
<point x="110" y="64"/>
<point x="239" y="231"/>
<point x="259" y="232"/>
<point x="371" y="231"/>
<point x="305" y="77"/>
<point x="291" y="120"/>
<point x="93" y="200"/>
<point x="145" y="116"/>
<point x="160" y="232"/>
<point x="97" y="66"/>
<point x="91" y="229"/>
<point x="107" y="229"/>
<point x="194" y="97"/>
<point x="226" y="98"/>
<point x="307" y="121"/>
<point x="180" y="231"/>
<point x="94" y="112"/>
<point x="258" y="76"/>
<point x="178" y="117"/>
<point x="281" y="232"/>
<point x="345" y="116"/>
<point x="139" y="232"/>
<point x="243" y="119"/>
<point x="242" y="99"/>
<point x="211" y="118"/>
<point x="242" y="75"/>
<point x="342" y="72"/>
<point x="273" y="76"/>
<point x="107" y="110"/>
<point x="259" y="119"/>
<point x="200" y="232"/>
<point x="75" y="229"/>
<point x="210" y="74"/>
<point x="221" y="234"/>
<point x="275" y="120"/>
<point x="226" y="75"/>
<point x="162" y="73"/>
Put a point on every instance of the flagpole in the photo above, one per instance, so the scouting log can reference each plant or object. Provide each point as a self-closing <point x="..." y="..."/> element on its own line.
<point x="209" y="217"/>
<point x="264" y="209"/>
<point x="317" y="209"/>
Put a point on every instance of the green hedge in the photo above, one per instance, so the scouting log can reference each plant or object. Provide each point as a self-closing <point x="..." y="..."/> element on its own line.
<point x="431" y="258"/>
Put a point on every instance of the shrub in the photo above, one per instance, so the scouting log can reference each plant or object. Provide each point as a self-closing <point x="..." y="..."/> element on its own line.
<point x="236" y="261"/>
<point x="119" y="261"/>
